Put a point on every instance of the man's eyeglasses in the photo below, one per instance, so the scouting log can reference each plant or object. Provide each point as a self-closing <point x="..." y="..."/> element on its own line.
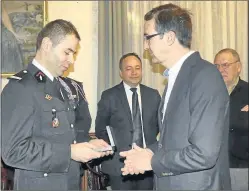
<point x="225" y="65"/>
<point x="148" y="37"/>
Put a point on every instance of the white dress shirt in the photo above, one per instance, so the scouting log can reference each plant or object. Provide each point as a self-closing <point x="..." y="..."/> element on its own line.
<point x="129" y="94"/>
<point x="43" y="69"/>
<point x="172" y="75"/>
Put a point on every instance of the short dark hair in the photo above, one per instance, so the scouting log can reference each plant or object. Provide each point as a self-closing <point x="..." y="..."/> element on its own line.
<point x="229" y="50"/>
<point x="127" y="55"/>
<point x="56" y="31"/>
<point x="171" y="17"/>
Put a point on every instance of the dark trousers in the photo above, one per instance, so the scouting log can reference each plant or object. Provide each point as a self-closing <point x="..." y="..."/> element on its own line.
<point x="132" y="182"/>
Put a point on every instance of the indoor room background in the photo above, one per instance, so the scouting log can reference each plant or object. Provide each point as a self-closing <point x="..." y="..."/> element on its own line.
<point x="109" y="29"/>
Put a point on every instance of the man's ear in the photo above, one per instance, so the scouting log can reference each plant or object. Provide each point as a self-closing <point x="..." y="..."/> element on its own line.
<point x="46" y="44"/>
<point x="170" y="37"/>
<point x="239" y="68"/>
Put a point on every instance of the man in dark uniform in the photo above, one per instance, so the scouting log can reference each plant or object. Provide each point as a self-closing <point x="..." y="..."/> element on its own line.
<point x="228" y="62"/>
<point x="46" y="118"/>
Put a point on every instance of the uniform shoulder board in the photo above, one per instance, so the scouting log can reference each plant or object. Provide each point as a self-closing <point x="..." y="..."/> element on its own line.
<point x="18" y="76"/>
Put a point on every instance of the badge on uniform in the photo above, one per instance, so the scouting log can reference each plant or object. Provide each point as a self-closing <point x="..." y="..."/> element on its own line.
<point x="40" y="76"/>
<point x="55" y="120"/>
<point x="72" y="97"/>
<point x="48" y="97"/>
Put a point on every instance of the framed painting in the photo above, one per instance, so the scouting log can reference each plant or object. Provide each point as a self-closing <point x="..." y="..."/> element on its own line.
<point x="20" y="24"/>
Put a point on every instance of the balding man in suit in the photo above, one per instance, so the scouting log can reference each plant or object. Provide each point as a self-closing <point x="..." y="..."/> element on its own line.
<point x="130" y="108"/>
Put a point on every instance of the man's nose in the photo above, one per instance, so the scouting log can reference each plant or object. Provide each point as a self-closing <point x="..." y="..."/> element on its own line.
<point x="221" y="69"/>
<point x="71" y="59"/>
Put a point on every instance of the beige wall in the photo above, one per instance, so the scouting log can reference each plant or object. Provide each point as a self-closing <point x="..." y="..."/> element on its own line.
<point x="83" y="14"/>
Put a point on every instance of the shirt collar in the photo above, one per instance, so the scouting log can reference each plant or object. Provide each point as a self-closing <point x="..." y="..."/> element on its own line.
<point x="127" y="87"/>
<point x="177" y="66"/>
<point x="43" y="69"/>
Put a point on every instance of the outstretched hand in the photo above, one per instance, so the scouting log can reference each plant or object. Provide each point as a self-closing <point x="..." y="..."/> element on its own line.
<point x="138" y="160"/>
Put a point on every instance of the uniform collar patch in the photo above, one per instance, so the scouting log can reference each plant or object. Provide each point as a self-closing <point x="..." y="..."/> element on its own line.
<point x="40" y="76"/>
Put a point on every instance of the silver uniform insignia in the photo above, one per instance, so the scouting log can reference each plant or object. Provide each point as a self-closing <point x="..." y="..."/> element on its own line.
<point x="19" y="75"/>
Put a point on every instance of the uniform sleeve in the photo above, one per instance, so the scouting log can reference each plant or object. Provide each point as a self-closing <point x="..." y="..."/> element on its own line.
<point x="20" y="149"/>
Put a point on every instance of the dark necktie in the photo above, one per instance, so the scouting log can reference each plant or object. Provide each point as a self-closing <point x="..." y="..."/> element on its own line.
<point x="136" y="119"/>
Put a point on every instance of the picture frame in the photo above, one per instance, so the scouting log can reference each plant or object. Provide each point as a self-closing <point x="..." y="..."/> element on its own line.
<point x="20" y="25"/>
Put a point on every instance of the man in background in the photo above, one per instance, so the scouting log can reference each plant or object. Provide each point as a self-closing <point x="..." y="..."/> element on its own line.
<point x="130" y="108"/>
<point x="228" y="63"/>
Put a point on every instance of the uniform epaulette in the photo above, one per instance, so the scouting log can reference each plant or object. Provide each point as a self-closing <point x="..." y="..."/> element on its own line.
<point x="19" y="75"/>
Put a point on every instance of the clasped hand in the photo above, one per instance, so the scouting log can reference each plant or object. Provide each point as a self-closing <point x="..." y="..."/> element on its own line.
<point x="138" y="160"/>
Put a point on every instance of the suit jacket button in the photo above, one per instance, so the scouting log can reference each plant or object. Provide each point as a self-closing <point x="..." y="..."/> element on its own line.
<point x="160" y="146"/>
<point x="45" y="174"/>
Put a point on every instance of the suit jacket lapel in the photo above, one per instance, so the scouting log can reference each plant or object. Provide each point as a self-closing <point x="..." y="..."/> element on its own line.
<point x="181" y="84"/>
<point x="145" y="109"/>
<point x="161" y="105"/>
<point x="143" y="100"/>
<point x="124" y="101"/>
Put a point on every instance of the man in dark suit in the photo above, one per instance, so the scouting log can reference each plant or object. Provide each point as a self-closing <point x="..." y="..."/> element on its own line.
<point x="228" y="63"/>
<point x="46" y="118"/>
<point x="130" y="125"/>
<point x="192" y="151"/>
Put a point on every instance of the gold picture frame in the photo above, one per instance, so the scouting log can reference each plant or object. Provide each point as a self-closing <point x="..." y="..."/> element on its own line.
<point x="21" y="22"/>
